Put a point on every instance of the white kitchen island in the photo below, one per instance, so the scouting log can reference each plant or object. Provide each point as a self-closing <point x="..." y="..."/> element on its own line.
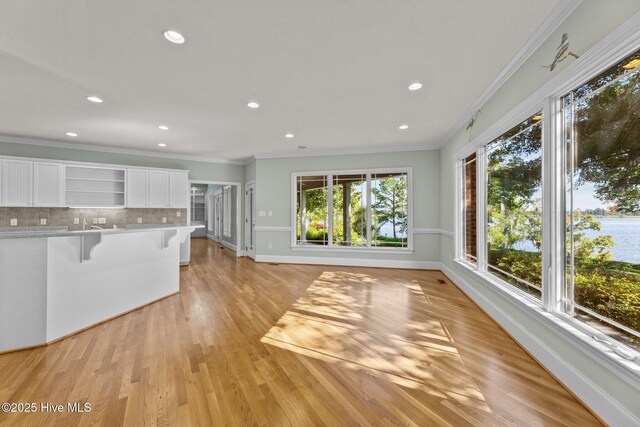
<point x="54" y="283"/>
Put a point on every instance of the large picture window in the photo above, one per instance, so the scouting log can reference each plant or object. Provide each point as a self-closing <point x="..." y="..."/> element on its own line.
<point x="582" y="257"/>
<point x="514" y="205"/>
<point x="601" y="121"/>
<point x="363" y="209"/>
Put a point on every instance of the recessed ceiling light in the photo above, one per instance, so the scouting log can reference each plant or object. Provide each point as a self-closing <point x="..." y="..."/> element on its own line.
<point x="72" y="134"/>
<point x="174" y="36"/>
<point x="302" y="147"/>
<point x="415" y="86"/>
<point x="94" y="99"/>
<point x="253" y="104"/>
<point x="163" y="127"/>
<point x="162" y="145"/>
<point x="289" y="135"/>
<point x="403" y="127"/>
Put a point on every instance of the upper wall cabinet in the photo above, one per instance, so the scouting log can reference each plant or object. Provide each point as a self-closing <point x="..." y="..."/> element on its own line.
<point x="17" y="182"/>
<point x="158" y="189"/>
<point x="179" y="189"/>
<point x="150" y="188"/>
<point x="137" y="188"/>
<point x="43" y="183"/>
<point x="48" y="184"/>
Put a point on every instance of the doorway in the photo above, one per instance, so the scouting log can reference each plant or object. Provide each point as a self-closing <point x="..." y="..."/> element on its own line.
<point x="198" y="209"/>
<point x="250" y="219"/>
<point x="223" y="213"/>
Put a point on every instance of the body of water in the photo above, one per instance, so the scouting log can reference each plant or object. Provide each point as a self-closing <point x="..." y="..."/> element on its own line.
<point x="626" y="236"/>
<point x="624" y="231"/>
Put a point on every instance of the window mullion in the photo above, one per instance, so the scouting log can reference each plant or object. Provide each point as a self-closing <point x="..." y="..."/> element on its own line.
<point x="481" y="210"/>
<point x="552" y="203"/>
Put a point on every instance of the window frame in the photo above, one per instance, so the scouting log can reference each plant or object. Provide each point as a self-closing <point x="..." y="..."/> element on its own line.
<point x="365" y="172"/>
<point x="610" y="51"/>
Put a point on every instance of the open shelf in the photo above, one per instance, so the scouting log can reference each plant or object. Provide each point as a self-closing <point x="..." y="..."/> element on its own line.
<point x="88" y="186"/>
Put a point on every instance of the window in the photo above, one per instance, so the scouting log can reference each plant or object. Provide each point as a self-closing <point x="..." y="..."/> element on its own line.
<point x="514" y="206"/>
<point x="312" y="210"/>
<point x="363" y="209"/>
<point x="389" y="209"/>
<point x="589" y="237"/>
<point x="226" y="209"/>
<point x="349" y="210"/>
<point x="601" y="124"/>
<point x="469" y="216"/>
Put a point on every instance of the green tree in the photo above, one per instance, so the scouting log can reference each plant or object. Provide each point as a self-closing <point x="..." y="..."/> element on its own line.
<point x="608" y="129"/>
<point x="585" y="247"/>
<point x="390" y="205"/>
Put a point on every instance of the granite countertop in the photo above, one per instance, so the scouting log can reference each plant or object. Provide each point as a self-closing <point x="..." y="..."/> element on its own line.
<point x="42" y="232"/>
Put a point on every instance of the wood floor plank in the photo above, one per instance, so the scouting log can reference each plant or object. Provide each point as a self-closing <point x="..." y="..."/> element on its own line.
<point x="292" y="345"/>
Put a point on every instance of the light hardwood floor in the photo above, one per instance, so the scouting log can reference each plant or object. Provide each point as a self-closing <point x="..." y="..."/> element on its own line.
<point x="261" y="344"/>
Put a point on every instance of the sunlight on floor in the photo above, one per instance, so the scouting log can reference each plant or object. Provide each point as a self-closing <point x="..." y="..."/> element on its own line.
<point x="350" y="319"/>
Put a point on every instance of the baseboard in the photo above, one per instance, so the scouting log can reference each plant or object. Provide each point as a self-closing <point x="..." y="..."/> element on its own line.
<point x="227" y="245"/>
<point x="349" y="262"/>
<point x="586" y="391"/>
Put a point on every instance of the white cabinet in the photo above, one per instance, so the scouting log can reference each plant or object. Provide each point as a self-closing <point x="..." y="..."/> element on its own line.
<point x="158" y="189"/>
<point x="44" y="183"/>
<point x="137" y="188"/>
<point x="17" y="182"/>
<point x="178" y="189"/>
<point x="48" y="184"/>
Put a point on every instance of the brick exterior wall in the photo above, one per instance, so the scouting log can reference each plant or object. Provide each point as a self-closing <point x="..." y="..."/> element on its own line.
<point x="470" y="240"/>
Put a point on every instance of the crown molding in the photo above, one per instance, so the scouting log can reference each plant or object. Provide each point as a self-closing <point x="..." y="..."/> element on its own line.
<point x="553" y="21"/>
<point x="339" y="152"/>
<point x="115" y="150"/>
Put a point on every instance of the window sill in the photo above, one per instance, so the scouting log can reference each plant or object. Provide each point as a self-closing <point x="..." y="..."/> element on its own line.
<point x="404" y="251"/>
<point x="575" y="332"/>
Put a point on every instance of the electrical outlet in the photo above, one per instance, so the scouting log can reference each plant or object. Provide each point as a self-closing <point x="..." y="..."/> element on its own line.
<point x="178" y="214"/>
<point x="139" y="220"/>
<point x="43" y="221"/>
<point x="164" y="220"/>
<point x="14" y="222"/>
<point x="270" y="246"/>
<point x="102" y="220"/>
<point x="261" y="213"/>
<point x="76" y="221"/>
<point x="270" y="213"/>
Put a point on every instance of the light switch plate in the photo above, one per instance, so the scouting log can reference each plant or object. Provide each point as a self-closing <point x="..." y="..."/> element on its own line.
<point x="139" y="220"/>
<point x="261" y="213"/>
<point x="76" y="221"/>
<point x="14" y="222"/>
<point x="178" y="213"/>
<point x="270" y="213"/>
<point x="164" y="220"/>
<point x="43" y="221"/>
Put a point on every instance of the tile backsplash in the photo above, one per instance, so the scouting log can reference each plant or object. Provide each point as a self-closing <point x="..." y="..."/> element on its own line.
<point x="60" y="217"/>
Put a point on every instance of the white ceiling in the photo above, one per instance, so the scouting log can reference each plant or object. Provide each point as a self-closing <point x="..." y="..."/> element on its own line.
<point x="332" y="72"/>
